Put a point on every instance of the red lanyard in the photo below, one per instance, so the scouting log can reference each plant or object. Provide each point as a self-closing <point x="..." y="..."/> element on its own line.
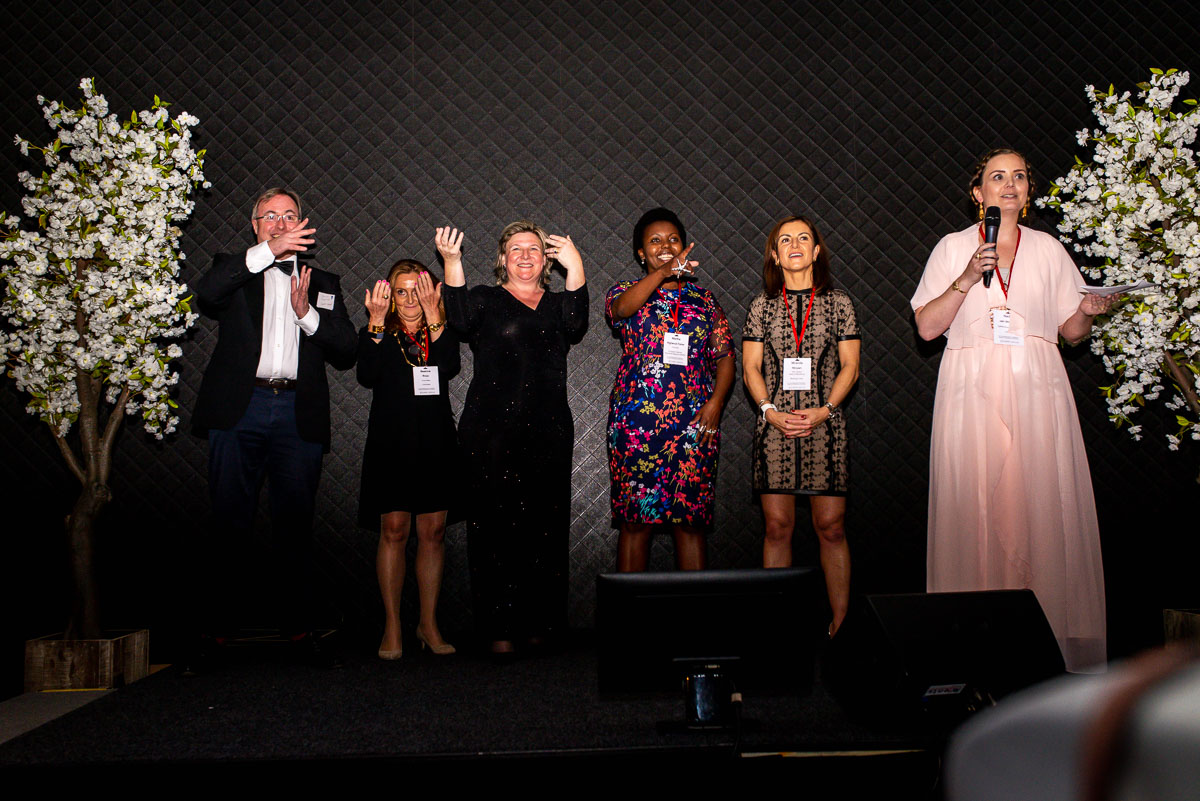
<point x="424" y="349"/>
<point x="674" y="311"/>
<point x="1003" y="286"/>
<point x="799" y="337"/>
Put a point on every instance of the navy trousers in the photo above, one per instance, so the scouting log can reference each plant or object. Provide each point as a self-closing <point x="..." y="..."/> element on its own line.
<point x="265" y="445"/>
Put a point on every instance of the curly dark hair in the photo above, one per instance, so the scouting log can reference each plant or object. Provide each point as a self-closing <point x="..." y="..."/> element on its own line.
<point x="649" y="218"/>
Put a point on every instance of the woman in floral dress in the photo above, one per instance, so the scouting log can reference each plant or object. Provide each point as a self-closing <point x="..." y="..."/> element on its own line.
<point x="677" y="367"/>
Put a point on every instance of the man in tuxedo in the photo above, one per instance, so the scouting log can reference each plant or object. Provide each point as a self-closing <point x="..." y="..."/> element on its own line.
<point x="264" y="401"/>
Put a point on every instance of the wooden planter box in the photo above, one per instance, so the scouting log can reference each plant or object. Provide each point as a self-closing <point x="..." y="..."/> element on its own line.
<point x="1181" y="625"/>
<point x="52" y="663"/>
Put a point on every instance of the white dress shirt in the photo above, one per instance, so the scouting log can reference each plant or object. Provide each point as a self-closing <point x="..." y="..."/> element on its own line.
<point x="281" y="327"/>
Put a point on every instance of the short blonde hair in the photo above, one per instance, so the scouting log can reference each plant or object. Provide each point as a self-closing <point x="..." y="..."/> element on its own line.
<point x="511" y="230"/>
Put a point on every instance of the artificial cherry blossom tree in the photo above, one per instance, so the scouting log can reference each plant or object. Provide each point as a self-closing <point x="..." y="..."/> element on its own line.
<point x="91" y="293"/>
<point x="1135" y="209"/>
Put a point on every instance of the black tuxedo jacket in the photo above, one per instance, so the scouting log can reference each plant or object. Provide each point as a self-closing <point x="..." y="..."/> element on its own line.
<point x="233" y="296"/>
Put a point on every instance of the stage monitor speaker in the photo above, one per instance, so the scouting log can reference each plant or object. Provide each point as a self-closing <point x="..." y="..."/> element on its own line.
<point x="946" y="654"/>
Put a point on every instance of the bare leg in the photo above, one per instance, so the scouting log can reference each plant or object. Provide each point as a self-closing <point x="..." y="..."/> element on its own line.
<point x="633" y="547"/>
<point x="779" y="515"/>
<point x="389" y="566"/>
<point x="431" y="557"/>
<point x="690" y="550"/>
<point x="829" y="520"/>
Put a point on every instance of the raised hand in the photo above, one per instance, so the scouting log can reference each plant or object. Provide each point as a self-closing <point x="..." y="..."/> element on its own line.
<point x="294" y="241"/>
<point x="449" y="242"/>
<point x="563" y="250"/>
<point x="377" y="301"/>
<point x="430" y="298"/>
<point x="300" y="280"/>
<point x="678" y="267"/>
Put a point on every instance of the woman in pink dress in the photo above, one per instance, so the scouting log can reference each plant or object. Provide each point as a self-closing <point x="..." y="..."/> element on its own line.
<point x="1010" y="494"/>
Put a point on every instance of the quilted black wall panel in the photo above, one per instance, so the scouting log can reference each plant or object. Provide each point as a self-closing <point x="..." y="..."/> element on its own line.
<point x="391" y="118"/>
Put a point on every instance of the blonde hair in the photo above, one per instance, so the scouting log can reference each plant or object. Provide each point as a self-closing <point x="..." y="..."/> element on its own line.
<point x="511" y="230"/>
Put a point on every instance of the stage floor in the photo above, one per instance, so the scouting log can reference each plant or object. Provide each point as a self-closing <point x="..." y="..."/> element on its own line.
<point x="256" y="709"/>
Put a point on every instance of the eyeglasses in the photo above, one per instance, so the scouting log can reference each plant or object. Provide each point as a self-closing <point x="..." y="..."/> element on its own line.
<point x="291" y="218"/>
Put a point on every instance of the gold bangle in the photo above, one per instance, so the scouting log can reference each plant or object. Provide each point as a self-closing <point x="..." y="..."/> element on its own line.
<point x="374" y="329"/>
<point x="435" y="327"/>
<point x="954" y="286"/>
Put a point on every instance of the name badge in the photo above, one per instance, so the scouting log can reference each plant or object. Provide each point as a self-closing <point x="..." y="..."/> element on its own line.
<point x="324" y="300"/>
<point x="675" y="349"/>
<point x="425" y="380"/>
<point x="1001" y="325"/>
<point x="797" y="373"/>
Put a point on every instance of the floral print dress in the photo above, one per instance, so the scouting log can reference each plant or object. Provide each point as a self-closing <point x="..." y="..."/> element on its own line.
<point x="659" y="472"/>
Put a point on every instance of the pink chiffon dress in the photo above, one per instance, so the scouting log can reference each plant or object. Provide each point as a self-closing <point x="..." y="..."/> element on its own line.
<point x="1010" y="493"/>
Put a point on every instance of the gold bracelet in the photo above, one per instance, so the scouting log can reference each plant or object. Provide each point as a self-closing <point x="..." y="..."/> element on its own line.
<point x="954" y="286"/>
<point x="435" y="327"/>
<point x="374" y="329"/>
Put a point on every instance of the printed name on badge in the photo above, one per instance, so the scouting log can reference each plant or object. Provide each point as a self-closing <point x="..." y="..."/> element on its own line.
<point x="675" y="349"/>
<point x="425" y="380"/>
<point x="797" y="373"/>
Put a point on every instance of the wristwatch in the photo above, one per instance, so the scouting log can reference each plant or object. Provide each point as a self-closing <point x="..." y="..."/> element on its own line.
<point x="834" y="411"/>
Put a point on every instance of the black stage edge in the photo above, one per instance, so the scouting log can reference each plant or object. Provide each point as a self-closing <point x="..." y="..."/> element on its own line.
<point x="256" y="711"/>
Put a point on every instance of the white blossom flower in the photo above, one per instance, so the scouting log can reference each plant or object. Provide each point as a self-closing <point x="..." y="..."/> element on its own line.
<point x="107" y="253"/>
<point x="1134" y="207"/>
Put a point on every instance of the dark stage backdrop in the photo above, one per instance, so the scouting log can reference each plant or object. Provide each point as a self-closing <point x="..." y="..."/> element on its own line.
<point x="393" y="117"/>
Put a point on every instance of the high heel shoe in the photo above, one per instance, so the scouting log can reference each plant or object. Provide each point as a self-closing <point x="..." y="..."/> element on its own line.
<point x="445" y="649"/>
<point x="390" y="655"/>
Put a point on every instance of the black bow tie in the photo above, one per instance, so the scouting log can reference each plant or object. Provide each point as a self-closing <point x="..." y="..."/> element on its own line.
<point x="284" y="267"/>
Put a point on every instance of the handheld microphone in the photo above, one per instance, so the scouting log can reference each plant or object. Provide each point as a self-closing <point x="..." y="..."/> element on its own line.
<point x="991" y="229"/>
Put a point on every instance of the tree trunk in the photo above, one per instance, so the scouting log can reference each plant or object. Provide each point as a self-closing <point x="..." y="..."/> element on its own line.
<point x="92" y="467"/>
<point x="84" y="622"/>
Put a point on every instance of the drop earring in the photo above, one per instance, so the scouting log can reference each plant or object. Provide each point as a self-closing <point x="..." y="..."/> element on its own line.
<point x="981" y="209"/>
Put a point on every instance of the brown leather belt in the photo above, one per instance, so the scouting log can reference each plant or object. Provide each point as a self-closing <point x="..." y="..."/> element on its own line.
<point x="276" y="384"/>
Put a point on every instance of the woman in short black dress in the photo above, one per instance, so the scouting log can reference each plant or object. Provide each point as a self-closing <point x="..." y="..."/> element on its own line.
<point x="516" y="429"/>
<point x="406" y="356"/>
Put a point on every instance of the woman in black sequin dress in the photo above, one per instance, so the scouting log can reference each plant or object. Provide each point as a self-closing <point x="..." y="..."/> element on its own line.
<point x="516" y="428"/>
